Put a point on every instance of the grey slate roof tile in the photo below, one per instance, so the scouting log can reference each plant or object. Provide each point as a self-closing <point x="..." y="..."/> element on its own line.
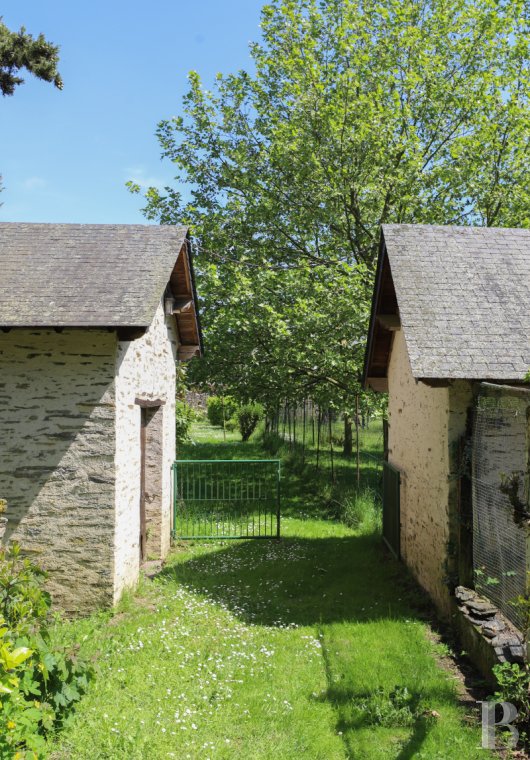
<point x="84" y="274"/>
<point x="464" y="299"/>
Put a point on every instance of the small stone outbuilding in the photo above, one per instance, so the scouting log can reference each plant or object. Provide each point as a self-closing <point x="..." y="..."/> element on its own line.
<point x="93" y="319"/>
<point x="449" y="333"/>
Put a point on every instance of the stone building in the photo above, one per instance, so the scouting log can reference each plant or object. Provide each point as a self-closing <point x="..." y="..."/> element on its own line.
<point x="93" y="319"/>
<point x="450" y="332"/>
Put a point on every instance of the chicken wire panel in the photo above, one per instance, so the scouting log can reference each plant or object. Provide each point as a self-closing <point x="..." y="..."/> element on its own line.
<point x="499" y="480"/>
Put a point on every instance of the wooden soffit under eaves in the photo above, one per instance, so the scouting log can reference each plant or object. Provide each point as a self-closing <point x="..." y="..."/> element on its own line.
<point x="383" y="324"/>
<point x="184" y="307"/>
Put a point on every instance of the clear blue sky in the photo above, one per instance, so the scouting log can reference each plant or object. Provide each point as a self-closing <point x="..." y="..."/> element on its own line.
<point x="66" y="155"/>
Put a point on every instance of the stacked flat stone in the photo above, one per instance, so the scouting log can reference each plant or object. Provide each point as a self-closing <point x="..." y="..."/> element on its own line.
<point x="499" y="633"/>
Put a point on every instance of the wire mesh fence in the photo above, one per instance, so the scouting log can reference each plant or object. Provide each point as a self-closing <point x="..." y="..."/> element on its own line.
<point x="500" y="496"/>
<point x="325" y="437"/>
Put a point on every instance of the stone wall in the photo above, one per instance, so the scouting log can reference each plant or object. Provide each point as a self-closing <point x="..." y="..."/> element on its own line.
<point x="57" y="447"/>
<point x="424" y="422"/>
<point x="145" y="372"/>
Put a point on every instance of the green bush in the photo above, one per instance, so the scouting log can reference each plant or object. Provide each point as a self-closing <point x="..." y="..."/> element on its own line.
<point x="231" y="425"/>
<point x="38" y="684"/>
<point x="184" y="418"/>
<point x="215" y="409"/>
<point x="248" y="416"/>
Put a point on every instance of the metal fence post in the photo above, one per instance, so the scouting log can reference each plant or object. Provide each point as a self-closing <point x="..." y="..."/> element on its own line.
<point x="174" y="468"/>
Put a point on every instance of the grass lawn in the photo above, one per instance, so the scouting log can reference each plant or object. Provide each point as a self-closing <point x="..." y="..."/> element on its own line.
<point x="311" y="647"/>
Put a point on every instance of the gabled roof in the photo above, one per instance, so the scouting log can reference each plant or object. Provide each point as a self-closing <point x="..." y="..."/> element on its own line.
<point x="462" y="298"/>
<point x="85" y="275"/>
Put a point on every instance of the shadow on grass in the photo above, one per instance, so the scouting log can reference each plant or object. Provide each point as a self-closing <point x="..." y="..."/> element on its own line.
<point x="353" y="711"/>
<point x="303" y="581"/>
<point x="319" y="582"/>
<point x="325" y="581"/>
<point x="221" y="450"/>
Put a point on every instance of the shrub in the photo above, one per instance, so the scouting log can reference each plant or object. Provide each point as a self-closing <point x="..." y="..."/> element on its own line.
<point x="513" y="684"/>
<point x="38" y="684"/>
<point x="215" y="409"/>
<point x="248" y="417"/>
<point x="184" y="417"/>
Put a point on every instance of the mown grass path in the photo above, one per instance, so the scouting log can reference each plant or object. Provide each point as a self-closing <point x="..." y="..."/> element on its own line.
<point x="309" y="647"/>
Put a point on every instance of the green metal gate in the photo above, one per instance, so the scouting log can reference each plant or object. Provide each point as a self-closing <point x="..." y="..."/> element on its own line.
<point x="391" y="508"/>
<point x="230" y="498"/>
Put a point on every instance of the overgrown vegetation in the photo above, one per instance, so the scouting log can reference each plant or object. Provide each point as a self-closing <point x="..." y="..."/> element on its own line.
<point x="39" y="682"/>
<point x="360" y="510"/>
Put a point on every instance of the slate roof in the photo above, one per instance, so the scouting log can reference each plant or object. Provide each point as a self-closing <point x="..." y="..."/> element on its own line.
<point x="464" y="299"/>
<point x="84" y="275"/>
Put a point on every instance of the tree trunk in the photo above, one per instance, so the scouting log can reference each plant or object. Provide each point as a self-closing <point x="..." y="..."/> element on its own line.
<point x="347" y="448"/>
<point x="318" y="436"/>
<point x="331" y="447"/>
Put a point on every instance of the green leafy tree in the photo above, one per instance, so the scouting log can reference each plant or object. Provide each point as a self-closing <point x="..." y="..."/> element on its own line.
<point x="356" y="114"/>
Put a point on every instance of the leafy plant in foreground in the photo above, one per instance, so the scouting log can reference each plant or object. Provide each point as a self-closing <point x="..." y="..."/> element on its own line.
<point x="39" y="684"/>
<point x="513" y="682"/>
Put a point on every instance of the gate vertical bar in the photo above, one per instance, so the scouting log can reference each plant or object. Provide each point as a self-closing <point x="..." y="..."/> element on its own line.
<point x="174" y="473"/>
<point x="240" y="495"/>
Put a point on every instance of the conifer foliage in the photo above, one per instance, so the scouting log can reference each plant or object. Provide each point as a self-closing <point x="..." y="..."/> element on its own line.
<point x="20" y="50"/>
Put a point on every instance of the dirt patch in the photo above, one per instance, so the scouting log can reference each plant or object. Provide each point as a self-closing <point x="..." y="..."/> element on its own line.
<point x="118" y="618"/>
<point x="470" y="686"/>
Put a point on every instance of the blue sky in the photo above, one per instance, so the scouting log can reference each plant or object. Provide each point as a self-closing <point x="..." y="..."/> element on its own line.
<point x="66" y="155"/>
